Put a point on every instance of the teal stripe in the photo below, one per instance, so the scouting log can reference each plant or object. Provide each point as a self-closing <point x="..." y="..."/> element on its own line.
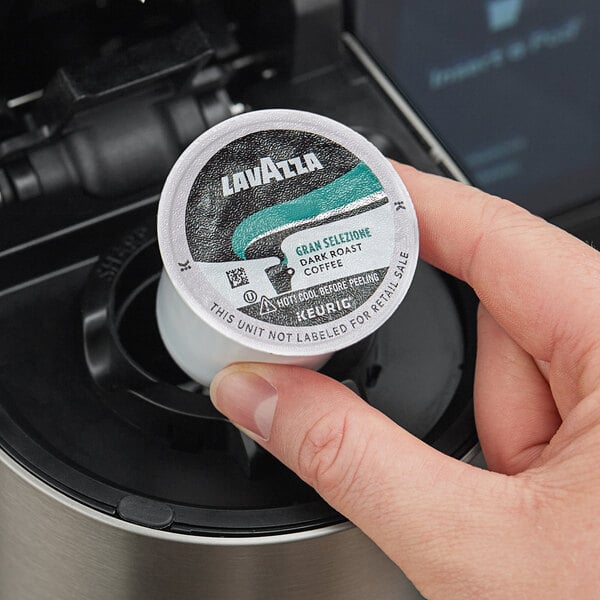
<point x="354" y="185"/>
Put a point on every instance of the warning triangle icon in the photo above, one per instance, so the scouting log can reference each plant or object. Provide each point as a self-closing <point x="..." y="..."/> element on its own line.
<point x="266" y="306"/>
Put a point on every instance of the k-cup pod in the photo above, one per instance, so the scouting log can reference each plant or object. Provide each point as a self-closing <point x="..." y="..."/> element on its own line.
<point x="285" y="237"/>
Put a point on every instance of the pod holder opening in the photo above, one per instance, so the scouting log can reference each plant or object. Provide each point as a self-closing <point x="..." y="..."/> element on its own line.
<point x="128" y="360"/>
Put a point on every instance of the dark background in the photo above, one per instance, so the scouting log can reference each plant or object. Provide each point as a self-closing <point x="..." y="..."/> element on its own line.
<point x="517" y="106"/>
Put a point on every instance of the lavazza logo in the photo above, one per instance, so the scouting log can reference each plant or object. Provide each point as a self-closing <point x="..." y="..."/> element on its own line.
<point x="268" y="170"/>
<point x="503" y="14"/>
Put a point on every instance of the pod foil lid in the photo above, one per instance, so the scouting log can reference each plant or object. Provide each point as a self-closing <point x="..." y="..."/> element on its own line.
<point x="288" y="233"/>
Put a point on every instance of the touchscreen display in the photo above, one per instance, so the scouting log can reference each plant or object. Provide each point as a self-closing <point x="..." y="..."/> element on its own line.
<point x="510" y="87"/>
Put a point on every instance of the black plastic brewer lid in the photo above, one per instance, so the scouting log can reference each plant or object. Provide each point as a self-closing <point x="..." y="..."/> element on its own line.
<point x="69" y="420"/>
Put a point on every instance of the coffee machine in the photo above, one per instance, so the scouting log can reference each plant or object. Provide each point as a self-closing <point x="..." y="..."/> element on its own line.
<point x="118" y="479"/>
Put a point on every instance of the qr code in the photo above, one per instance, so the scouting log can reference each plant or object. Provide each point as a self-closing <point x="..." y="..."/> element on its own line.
<point x="237" y="277"/>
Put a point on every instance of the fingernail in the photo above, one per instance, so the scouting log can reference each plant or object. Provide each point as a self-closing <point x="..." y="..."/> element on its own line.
<point x="246" y="399"/>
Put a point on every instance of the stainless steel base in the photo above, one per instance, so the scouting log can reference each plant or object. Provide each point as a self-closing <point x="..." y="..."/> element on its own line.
<point x="52" y="548"/>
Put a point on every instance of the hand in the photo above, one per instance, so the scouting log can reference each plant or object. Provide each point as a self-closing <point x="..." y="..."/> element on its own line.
<point x="528" y="528"/>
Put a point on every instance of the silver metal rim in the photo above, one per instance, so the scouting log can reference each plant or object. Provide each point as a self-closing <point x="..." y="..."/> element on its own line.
<point x="99" y="517"/>
<point x="61" y="498"/>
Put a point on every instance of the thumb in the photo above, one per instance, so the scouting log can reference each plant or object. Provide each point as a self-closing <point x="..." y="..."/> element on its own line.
<point x="433" y="515"/>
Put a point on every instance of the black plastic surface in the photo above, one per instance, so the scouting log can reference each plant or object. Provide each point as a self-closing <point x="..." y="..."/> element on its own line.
<point x="56" y="421"/>
<point x="143" y="511"/>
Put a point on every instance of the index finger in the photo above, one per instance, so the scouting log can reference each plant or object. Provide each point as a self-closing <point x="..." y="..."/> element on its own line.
<point x="541" y="284"/>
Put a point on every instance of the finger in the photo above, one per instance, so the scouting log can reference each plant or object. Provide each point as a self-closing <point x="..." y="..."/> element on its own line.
<point x="405" y="495"/>
<point x="530" y="275"/>
<point x="514" y="409"/>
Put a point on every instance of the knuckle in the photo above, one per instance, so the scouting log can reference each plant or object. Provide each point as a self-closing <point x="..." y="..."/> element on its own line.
<point x="330" y="455"/>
